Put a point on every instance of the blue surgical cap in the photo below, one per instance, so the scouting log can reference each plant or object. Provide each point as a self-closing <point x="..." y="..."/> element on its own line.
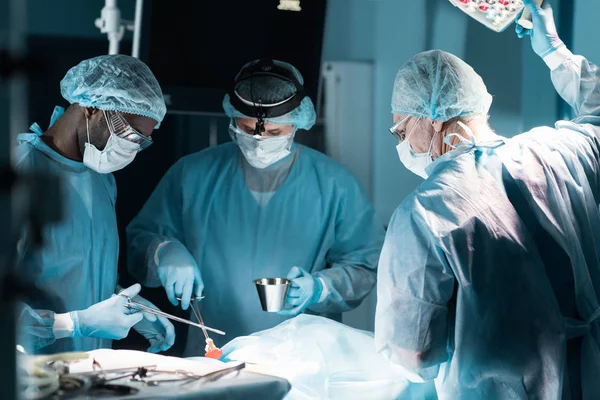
<point x="115" y="83"/>
<point x="272" y="89"/>
<point x="440" y="86"/>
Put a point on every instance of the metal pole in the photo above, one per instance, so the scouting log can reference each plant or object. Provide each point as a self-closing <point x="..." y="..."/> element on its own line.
<point x="137" y="29"/>
<point x="110" y="23"/>
<point x="113" y="22"/>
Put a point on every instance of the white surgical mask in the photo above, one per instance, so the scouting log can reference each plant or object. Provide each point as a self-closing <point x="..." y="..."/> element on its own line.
<point x="415" y="163"/>
<point x="260" y="151"/>
<point x="117" y="154"/>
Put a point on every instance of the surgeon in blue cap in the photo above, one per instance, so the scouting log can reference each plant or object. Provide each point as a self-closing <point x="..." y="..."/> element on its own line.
<point x="259" y="206"/>
<point x="116" y="103"/>
<point x="489" y="278"/>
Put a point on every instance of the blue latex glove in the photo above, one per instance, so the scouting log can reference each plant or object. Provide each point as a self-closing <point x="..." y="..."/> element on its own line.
<point x="179" y="274"/>
<point x="109" y="319"/>
<point x="148" y="316"/>
<point x="236" y="344"/>
<point x="544" y="37"/>
<point x="159" y="331"/>
<point x="304" y="291"/>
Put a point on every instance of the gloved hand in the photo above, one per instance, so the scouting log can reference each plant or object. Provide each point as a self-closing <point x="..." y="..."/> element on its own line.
<point x="148" y="316"/>
<point x="304" y="291"/>
<point x="109" y="319"/>
<point x="544" y="38"/>
<point x="239" y="344"/>
<point x="179" y="274"/>
<point x="159" y="331"/>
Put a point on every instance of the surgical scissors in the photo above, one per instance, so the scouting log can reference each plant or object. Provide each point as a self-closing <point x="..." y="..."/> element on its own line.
<point x="133" y="305"/>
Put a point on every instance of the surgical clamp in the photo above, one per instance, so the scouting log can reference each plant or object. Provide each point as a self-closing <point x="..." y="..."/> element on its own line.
<point x="133" y="305"/>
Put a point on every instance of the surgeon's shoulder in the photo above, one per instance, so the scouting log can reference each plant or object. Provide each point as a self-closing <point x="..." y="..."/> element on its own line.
<point x="326" y="166"/>
<point x="409" y="205"/>
<point x="421" y="201"/>
<point x="567" y="137"/>
<point x="207" y="159"/>
<point x="408" y="215"/>
<point x="27" y="157"/>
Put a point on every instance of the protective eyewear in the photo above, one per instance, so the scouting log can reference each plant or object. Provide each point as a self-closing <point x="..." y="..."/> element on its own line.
<point x="398" y="133"/>
<point x="118" y="125"/>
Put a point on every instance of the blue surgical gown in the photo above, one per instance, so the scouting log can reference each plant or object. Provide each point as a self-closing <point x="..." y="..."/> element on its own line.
<point x="318" y="218"/>
<point x="77" y="266"/>
<point x="490" y="272"/>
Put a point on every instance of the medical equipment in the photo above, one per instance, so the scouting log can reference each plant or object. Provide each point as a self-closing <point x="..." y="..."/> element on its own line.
<point x="110" y="22"/>
<point x="108" y="373"/>
<point x="194" y="298"/>
<point x="132" y="305"/>
<point x="270" y="91"/>
<point x="266" y="77"/>
<point x="212" y="351"/>
<point x="272" y="293"/>
<point x="119" y="126"/>
<point x="159" y="331"/>
<point x="400" y="135"/>
<point x="305" y="290"/>
<point x="495" y="14"/>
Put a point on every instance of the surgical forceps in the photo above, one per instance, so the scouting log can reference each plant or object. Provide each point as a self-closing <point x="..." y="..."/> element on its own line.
<point x="134" y="305"/>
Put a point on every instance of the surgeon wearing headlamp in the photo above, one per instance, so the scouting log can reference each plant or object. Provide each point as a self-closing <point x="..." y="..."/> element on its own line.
<point x="260" y="206"/>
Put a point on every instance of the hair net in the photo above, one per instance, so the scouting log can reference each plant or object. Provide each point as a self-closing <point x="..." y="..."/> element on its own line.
<point x="438" y="85"/>
<point x="272" y="89"/>
<point x="115" y="82"/>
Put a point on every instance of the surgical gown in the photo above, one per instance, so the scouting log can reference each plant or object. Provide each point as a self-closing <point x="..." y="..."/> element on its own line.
<point x="490" y="272"/>
<point x="77" y="266"/>
<point x="239" y="227"/>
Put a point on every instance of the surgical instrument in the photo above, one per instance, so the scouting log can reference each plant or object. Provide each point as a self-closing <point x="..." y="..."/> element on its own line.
<point x="194" y="298"/>
<point x="132" y="305"/>
<point x="199" y="317"/>
<point x="211" y="351"/>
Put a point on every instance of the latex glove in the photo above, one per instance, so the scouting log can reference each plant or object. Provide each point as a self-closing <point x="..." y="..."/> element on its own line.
<point x="160" y="332"/>
<point x="109" y="319"/>
<point x="148" y="316"/>
<point x="304" y="291"/>
<point x="237" y="344"/>
<point x="179" y="274"/>
<point x="544" y="37"/>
